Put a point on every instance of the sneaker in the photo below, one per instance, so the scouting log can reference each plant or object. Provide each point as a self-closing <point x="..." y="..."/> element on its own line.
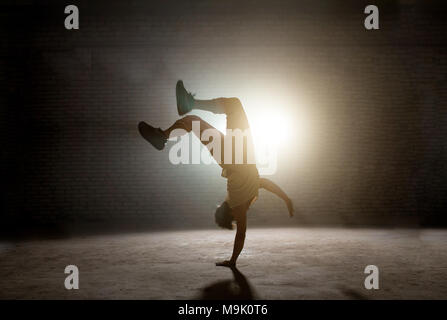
<point x="154" y="136"/>
<point x="185" y="100"/>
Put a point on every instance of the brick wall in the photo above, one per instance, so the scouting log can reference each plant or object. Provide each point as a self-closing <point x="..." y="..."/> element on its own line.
<point x="71" y="101"/>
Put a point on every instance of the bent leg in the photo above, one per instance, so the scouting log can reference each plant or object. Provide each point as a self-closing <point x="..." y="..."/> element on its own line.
<point x="219" y="105"/>
<point x="232" y="107"/>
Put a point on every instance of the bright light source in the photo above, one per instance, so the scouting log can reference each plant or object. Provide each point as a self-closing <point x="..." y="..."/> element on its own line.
<point x="270" y="129"/>
<point x="281" y="123"/>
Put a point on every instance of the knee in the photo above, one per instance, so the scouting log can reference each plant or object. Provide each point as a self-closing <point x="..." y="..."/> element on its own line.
<point x="233" y="105"/>
<point x="235" y="102"/>
<point x="191" y="118"/>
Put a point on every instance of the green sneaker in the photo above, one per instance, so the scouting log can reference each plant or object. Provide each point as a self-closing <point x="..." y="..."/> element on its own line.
<point x="154" y="136"/>
<point x="185" y="100"/>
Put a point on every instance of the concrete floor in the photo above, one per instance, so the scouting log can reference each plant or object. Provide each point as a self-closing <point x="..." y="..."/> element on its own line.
<point x="275" y="264"/>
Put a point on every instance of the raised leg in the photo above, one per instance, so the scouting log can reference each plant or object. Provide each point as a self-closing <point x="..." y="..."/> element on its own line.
<point x="232" y="107"/>
<point x="219" y="105"/>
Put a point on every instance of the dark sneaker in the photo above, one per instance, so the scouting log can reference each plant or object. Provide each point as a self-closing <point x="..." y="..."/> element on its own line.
<point x="153" y="135"/>
<point x="185" y="100"/>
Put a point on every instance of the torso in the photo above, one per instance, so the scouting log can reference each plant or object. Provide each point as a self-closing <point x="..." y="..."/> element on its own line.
<point x="242" y="184"/>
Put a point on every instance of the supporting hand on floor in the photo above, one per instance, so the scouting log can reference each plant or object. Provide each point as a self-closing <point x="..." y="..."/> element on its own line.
<point x="226" y="263"/>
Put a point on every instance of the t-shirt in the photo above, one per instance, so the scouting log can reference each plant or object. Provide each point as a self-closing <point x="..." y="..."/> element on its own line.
<point x="242" y="183"/>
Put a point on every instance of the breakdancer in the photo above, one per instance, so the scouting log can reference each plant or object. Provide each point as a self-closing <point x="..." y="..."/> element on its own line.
<point x="243" y="180"/>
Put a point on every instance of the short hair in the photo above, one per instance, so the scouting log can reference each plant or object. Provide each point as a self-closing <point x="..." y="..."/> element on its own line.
<point x="223" y="216"/>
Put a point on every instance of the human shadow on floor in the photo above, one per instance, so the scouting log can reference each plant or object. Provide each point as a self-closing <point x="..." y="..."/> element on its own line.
<point x="353" y="294"/>
<point x="237" y="289"/>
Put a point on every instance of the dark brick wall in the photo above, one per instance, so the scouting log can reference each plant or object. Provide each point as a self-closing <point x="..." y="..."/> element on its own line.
<point x="71" y="101"/>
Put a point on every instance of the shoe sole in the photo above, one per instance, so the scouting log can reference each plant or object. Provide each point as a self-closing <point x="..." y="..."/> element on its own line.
<point x="148" y="133"/>
<point x="179" y="88"/>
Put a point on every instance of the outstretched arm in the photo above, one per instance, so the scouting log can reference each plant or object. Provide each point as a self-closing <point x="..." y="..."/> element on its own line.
<point x="240" y="215"/>
<point x="240" y="237"/>
<point x="269" y="185"/>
